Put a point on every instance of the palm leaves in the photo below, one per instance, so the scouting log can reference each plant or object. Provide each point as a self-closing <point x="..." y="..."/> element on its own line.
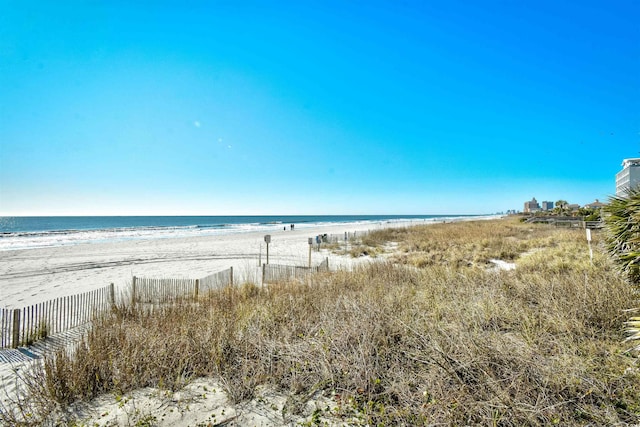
<point x="561" y="207"/>
<point x="622" y="220"/>
<point x="633" y="329"/>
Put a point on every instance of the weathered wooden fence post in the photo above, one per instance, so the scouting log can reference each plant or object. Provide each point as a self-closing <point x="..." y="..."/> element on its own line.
<point x="112" y="295"/>
<point x="133" y="290"/>
<point x="231" y="276"/>
<point x="3" y="327"/>
<point x="264" y="272"/>
<point x="197" y="289"/>
<point x="15" y="339"/>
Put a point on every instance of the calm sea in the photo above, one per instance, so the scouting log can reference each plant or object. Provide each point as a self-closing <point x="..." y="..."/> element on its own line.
<point x="35" y="232"/>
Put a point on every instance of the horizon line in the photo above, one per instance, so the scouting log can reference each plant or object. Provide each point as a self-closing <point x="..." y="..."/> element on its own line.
<point x="246" y="215"/>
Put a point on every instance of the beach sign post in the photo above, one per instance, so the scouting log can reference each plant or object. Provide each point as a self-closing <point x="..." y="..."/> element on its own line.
<point x="589" y="242"/>
<point x="267" y="240"/>
<point x="310" y="245"/>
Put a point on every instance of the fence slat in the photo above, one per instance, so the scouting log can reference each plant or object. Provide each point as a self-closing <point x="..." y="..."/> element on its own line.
<point x="15" y="342"/>
<point x="58" y="314"/>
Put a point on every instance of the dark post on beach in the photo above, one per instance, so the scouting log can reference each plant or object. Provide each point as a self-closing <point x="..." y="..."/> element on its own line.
<point x="267" y="240"/>
<point x="310" y="245"/>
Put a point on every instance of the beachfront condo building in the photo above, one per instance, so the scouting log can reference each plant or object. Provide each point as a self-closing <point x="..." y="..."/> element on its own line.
<point x="547" y="206"/>
<point x="531" y="206"/>
<point x="628" y="177"/>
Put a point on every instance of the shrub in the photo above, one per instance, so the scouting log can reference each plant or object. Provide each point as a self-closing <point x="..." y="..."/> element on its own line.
<point x="622" y="220"/>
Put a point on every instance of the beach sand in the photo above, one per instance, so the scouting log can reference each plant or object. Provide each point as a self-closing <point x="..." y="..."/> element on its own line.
<point x="31" y="276"/>
<point x="203" y="402"/>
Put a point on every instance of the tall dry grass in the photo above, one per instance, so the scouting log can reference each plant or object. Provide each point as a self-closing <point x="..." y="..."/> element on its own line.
<point x="448" y="342"/>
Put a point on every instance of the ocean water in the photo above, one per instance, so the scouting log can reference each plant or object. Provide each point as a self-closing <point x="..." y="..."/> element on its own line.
<point x="38" y="232"/>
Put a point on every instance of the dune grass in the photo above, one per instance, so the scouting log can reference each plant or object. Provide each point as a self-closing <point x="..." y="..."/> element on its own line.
<point x="428" y="336"/>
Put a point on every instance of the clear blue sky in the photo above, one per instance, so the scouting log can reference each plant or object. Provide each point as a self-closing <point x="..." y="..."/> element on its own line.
<point x="314" y="107"/>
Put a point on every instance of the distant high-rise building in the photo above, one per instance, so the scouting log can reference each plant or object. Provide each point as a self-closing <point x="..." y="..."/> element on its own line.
<point x="547" y="206"/>
<point x="531" y="206"/>
<point x="628" y="177"/>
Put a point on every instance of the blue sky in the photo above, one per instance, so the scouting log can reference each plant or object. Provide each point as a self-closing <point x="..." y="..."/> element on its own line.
<point x="314" y="107"/>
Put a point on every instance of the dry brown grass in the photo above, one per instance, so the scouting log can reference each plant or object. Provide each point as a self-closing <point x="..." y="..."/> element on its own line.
<point x="470" y="243"/>
<point x="446" y="343"/>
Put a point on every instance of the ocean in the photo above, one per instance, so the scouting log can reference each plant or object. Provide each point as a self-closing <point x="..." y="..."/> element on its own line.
<point x="38" y="232"/>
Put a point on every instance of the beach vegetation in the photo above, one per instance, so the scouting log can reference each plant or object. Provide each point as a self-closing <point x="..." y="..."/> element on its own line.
<point x="622" y="223"/>
<point x="360" y="250"/>
<point x="590" y="213"/>
<point x="428" y="335"/>
<point x="561" y="207"/>
<point x="372" y="244"/>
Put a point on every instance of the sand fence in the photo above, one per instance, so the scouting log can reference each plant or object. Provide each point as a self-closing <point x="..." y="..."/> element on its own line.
<point x="272" y="273"/>
<point x="26" y="325"/>
<point x="164" y="291"/>
<point x="22" y="327"/>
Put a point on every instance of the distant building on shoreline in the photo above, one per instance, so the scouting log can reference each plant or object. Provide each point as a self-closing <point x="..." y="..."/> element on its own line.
<point x="595" y="205"/>
<point x="531" y="206"/>
<point x="547" y="206"/>
<point x="628" y="177"/>
<point x="565" y="208"/>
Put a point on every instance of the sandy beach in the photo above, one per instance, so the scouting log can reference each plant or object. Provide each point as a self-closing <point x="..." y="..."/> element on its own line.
<point x="31" y="276"/>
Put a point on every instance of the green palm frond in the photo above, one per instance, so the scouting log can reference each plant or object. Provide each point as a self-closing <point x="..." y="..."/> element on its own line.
<point x="622" y="222"/>
<point x="633" y="330"/>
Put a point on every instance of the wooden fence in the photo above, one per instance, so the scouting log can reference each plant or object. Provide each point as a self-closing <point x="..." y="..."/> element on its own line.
<point x="162" y="291"/>
<point x="570" y="223"/>
<point x="217" y="280"/>
<point x="23" y="326"/>
<point x="339" y="238"/>
<point x="566" y="221"/>
<point x="593" y="224"/>
<point x="274" y="272"/>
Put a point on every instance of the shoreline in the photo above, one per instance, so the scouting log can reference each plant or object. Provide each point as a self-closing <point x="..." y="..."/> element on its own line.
<point x="60" y="232"/>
